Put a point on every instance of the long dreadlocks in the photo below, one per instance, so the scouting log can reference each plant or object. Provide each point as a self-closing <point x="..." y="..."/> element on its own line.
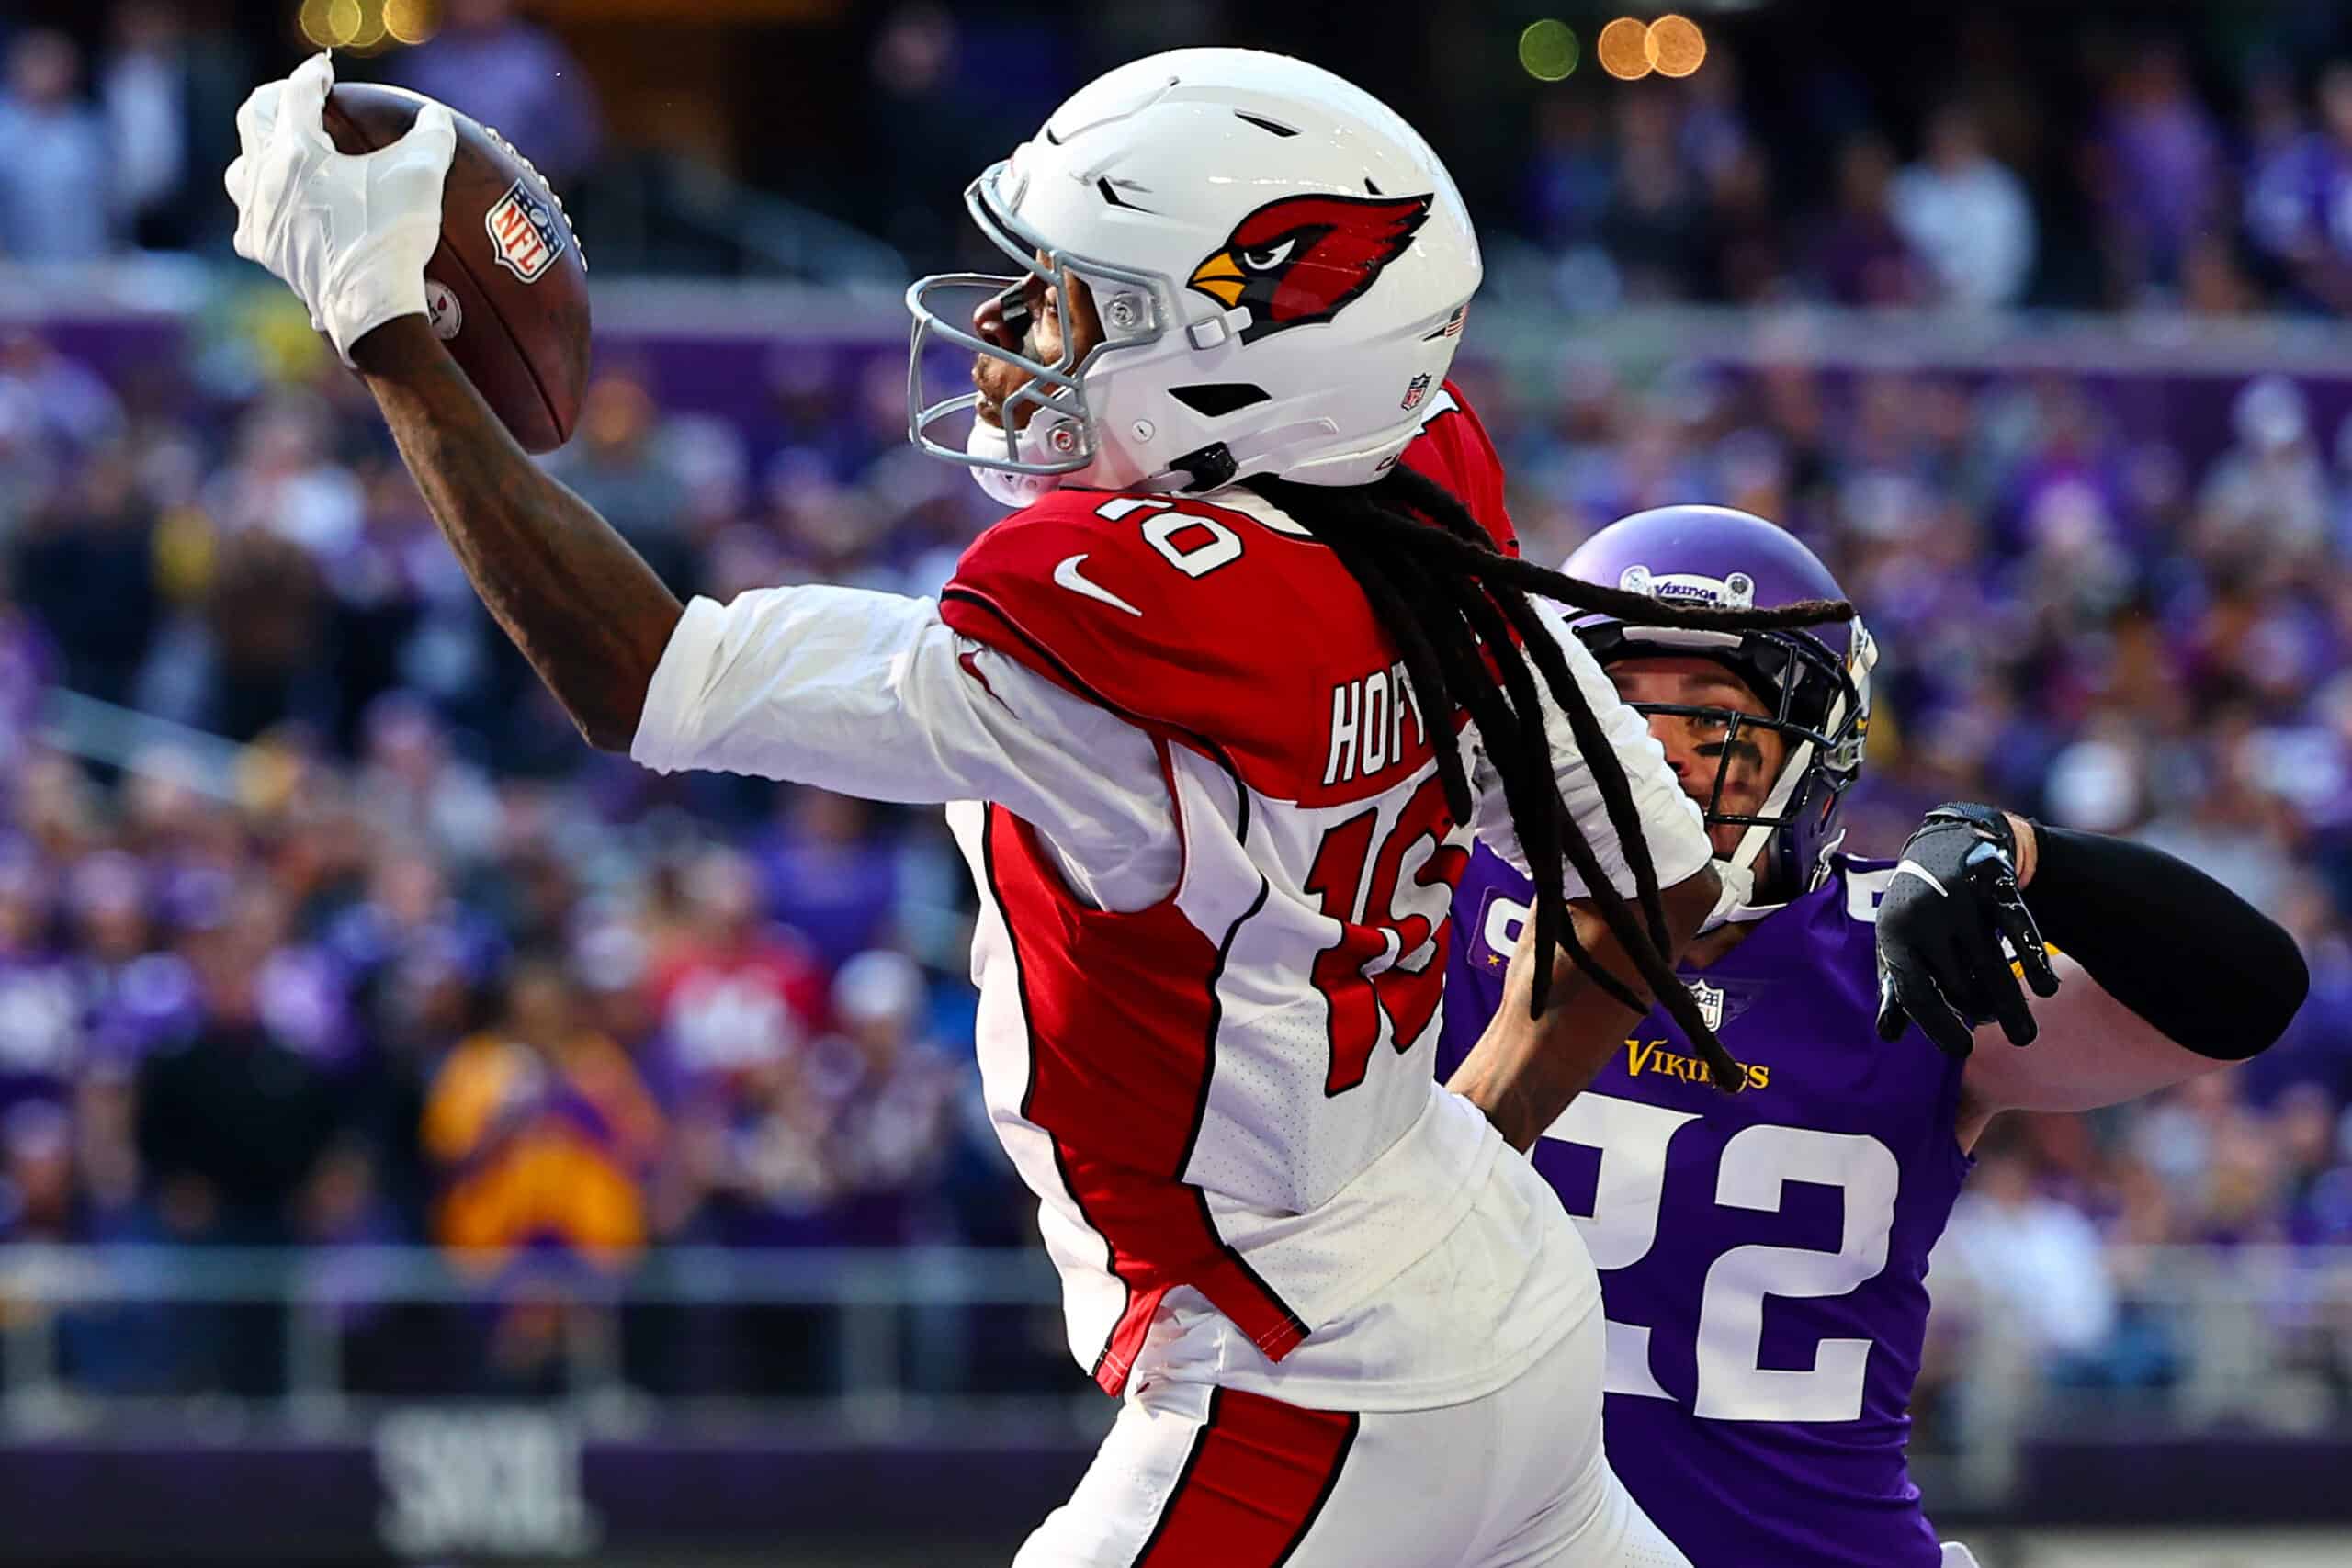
<point x="1459" y="612"/>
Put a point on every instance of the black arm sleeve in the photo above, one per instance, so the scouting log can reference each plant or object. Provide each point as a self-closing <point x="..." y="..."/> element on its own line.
<point x="2211" y="971"/>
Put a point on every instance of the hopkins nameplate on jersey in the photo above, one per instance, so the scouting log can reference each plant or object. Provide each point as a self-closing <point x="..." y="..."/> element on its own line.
<point x="1368" y="723"/>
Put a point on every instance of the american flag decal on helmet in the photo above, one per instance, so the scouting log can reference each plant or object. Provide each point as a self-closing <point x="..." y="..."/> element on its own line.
<point x="1453" y="323"/>
<point x="526" y="236"/>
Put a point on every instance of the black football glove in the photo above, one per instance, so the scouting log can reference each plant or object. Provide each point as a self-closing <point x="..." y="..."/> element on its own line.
<point x="1952" y="900"/>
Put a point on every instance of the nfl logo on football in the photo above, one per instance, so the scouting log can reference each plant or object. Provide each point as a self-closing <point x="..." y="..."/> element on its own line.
<point x="1711" y="1002"/>
<point x="524" y="234"/>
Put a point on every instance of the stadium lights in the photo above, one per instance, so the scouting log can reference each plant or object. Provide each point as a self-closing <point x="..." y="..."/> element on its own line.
<point x="367" y="33"/>
<point x="1630" y="49"/>
<point x="1548" y="49"/>
<point x="1623" y="49"/>
<point x="366" y="27"/>
<point x="1674" y="46"/>
<point x="409" y="21"/>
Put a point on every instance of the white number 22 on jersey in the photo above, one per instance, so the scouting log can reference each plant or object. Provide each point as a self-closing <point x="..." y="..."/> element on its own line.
<point x="1757" y="1162"/>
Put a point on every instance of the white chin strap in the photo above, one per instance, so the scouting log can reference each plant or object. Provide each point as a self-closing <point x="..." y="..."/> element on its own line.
<point x="986" y="442"/>
<point x="1752" y="843"/>
<point x="1732" y="904"/>
<point x="1748" y="853"/>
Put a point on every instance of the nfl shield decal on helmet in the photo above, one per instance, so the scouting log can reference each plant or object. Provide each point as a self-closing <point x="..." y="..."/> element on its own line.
<point x="525" y="234"/>
<point x="1415" y="390"/>
<point x="1711" y="1002"/>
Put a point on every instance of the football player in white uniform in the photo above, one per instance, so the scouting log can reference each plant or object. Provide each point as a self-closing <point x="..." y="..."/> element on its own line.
<point x="1222" y="703"/>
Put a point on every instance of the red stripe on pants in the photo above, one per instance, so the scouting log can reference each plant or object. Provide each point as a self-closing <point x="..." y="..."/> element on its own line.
<point x="1259" y="1472"/>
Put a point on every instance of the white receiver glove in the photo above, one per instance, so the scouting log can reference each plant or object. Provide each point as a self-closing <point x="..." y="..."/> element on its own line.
<point x="350" y="235"/>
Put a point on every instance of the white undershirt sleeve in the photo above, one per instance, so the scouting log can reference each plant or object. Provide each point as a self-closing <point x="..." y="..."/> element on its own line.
<point x="873" y="695"/>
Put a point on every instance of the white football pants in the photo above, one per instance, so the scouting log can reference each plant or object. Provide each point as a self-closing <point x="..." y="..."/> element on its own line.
<point x="1194" y="1476"/>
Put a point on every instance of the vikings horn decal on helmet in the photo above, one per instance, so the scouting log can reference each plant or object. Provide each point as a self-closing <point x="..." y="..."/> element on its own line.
<point x="1303" y="258"/>
<point x="1814" y="684"/>
<point x="1149" y="188"/>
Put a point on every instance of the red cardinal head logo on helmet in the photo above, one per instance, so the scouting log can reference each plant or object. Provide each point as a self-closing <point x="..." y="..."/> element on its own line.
<point x="1303" y="258"/>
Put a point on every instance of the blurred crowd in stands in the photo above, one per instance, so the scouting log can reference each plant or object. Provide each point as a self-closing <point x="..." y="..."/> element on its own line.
<point x="405" y="962"/>
<point x="409" y="962"/>
<point x="2201" y="162"/>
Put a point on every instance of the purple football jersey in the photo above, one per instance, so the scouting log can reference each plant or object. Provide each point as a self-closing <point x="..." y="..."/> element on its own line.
<point x="1762" y="1257"/>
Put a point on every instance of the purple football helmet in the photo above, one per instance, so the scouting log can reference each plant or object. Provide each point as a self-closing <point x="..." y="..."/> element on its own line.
<point x="1815" y="683"/>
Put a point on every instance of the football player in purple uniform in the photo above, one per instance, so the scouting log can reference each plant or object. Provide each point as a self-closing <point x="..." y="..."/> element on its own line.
<point x="1762" y="1254"/>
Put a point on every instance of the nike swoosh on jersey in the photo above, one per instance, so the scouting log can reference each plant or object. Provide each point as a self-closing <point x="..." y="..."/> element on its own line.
<point x="1068" y="575"/>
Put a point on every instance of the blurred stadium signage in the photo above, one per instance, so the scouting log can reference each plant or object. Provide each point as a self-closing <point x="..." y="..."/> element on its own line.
<point x="478" y="1486"/>
<point x="498" y="1482"/>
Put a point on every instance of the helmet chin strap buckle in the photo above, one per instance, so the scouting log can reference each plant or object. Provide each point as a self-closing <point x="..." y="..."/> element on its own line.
<point x="1208" y="468"/>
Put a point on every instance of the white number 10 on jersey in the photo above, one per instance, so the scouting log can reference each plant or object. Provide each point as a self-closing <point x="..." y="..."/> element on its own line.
<point x="1757" y="1162"/>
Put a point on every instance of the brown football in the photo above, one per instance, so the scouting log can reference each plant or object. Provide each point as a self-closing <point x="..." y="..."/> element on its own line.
<point x="507" y="287"/>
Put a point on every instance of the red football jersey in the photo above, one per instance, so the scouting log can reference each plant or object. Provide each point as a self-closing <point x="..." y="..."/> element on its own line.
<point x="1233" y="1088"/>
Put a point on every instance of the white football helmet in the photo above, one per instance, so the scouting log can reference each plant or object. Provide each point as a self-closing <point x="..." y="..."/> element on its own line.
<point x="1281" y="263"/>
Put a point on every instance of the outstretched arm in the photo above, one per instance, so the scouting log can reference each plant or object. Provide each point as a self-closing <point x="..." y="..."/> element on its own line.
<point x="2165" y="975"/>
<point x="2094" y="1051"/>
<point x="848" y="689"/>
<point x="1523" y="1072"/>
<point x="584" y="608"/>
<point x="351" y="234"/>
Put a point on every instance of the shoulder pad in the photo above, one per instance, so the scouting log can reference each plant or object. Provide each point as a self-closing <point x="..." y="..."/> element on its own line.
<point x="1098" y="590"/>
<point x="1072" y="566"/>
<point x="1455" y="449"/>
<point x="1209" y="624"/>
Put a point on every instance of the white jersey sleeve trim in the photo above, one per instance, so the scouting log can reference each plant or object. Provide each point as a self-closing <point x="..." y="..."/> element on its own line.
<point x="873" y="695"/>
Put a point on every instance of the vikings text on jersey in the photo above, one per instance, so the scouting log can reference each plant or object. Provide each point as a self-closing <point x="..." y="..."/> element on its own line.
<point x="1762" y="1257"/>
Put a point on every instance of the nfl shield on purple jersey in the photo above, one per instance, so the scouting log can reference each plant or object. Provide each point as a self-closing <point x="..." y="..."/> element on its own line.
<point x="1762" y="1257"/>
